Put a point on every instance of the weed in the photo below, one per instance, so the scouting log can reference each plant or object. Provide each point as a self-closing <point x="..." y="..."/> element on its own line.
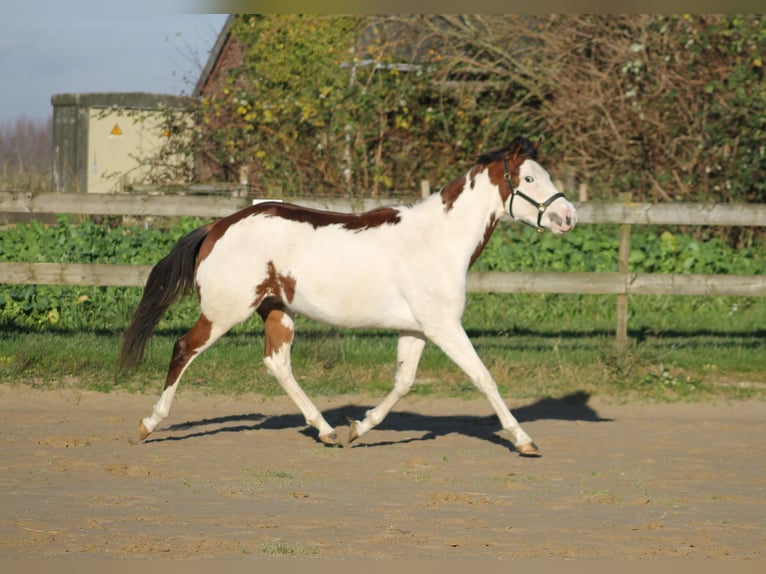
<point x="277" y="548"/>
<point x="284" y="549"/>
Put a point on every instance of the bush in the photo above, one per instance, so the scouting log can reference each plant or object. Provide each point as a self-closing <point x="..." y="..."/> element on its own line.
<point x="512" y="248"/>
<point x="79" y="307"/>
<point x="666" y="107"/>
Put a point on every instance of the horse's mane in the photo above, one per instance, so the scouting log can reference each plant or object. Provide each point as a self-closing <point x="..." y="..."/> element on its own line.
<point x="520" y="146"/>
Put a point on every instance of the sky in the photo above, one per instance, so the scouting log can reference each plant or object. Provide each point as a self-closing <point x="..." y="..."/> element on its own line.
<point x="76" y="46"/>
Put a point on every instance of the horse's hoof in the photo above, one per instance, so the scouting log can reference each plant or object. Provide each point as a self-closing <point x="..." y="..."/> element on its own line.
<point x="330" y="439"/>
<point x="528" y="449"/>
<point x="354" y="432"/>
<point x="143" y="432"/>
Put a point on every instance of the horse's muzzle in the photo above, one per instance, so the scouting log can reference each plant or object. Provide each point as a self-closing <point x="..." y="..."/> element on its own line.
<point x="562" y="218"/>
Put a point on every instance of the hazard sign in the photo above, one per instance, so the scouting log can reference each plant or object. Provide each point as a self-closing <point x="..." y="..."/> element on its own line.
<point x="116" y="131"/>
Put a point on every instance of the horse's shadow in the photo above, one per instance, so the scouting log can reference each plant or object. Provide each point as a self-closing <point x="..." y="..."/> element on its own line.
<point x="572" y="407"/>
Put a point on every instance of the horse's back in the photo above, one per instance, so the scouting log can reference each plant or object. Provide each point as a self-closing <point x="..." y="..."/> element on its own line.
<point x="344" y="272"/>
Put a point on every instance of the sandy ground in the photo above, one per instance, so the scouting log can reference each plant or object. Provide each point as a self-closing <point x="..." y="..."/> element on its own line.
<point x="234" y="477"/>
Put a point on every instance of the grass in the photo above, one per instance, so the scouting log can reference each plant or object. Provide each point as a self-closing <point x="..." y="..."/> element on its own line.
<point x="285" y="549"/>
<point x="278" y="548"/>
<point x="535" y="346"/>
<point x="26" y="181"/>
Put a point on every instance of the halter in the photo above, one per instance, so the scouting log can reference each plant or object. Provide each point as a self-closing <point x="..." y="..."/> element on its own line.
<point x="541" y="207"/>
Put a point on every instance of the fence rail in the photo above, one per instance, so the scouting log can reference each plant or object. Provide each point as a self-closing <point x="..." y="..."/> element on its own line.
<point x="621" y="283"/>
<point x="628" y="213"/>
<point x="589" y="283"/>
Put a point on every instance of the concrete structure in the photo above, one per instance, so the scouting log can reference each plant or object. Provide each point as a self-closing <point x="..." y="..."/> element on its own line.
<point x="100" y="140"/>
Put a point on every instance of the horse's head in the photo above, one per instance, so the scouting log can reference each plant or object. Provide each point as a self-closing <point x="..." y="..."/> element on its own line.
<point x="528" y="193"/>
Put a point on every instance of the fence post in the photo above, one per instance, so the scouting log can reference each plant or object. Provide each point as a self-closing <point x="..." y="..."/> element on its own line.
<point x="244" y="182"/>
<point x="425" y="188"/>
<point x="623" y="266"/>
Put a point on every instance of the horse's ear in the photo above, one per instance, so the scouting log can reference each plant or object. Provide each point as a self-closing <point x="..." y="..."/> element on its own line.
<point x="522" y="146"/>
<point x="515" y="148"/>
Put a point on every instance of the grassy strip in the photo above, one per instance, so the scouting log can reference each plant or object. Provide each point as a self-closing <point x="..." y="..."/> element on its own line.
<point x="682" y="349"/>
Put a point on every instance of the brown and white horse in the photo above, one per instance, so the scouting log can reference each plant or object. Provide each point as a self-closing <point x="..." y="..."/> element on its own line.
<point x="400" y="268"/>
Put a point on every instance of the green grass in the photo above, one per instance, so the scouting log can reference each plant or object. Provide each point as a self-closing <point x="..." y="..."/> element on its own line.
<point x="536" y="346"/>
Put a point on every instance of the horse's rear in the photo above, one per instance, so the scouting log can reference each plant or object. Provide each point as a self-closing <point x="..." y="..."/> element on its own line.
<point x="171" y="278"/>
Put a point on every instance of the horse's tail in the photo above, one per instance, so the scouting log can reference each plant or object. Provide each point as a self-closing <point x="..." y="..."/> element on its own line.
<point x="170" y="279"/>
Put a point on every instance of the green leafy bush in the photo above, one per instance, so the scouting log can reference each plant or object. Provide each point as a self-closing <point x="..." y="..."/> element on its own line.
<point x="79" y="307"/>
<point x="668" y="107"/>
<point x="512" y="248"/>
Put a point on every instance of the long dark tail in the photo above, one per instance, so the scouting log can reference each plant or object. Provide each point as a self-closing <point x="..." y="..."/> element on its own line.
<point x="170" y="279"/>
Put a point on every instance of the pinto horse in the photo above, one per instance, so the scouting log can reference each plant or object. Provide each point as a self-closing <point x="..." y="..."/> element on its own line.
<point x="400" y="268"/>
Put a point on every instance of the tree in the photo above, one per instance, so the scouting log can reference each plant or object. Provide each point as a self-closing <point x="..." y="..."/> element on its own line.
<point x="25" y="152"/>
<point x="667" y="107"/>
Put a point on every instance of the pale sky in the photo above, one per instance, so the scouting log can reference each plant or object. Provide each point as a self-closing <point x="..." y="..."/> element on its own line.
<point x="75" y="46"/>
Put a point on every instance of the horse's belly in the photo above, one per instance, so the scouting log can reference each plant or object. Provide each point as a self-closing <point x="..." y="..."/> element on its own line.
<point x="355" y="308"/>
<point x="334" y="277"/>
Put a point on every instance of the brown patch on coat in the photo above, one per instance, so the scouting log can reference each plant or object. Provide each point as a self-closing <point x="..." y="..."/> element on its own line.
<point x="515" y="153"/>
<point x="314" y="217"/>
<point x="275" y="332"/>
<point x="186" y="347"/>
<point x="274" y="285"/>
<point x="496" y="173"/>
<point x="475" y="170"/>
<point x="483" y="243"/>
<point x="450" y="192"/>
<point x="319" y="218"/>
<point x="217" y="230"/>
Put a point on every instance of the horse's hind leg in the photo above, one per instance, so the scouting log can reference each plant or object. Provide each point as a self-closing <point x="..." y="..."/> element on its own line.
<point x="409" y="350"/>
<point x="200" y="337"/>
<point x="279" y="329"/>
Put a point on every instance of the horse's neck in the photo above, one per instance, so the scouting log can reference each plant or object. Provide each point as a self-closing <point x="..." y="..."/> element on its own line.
<point x="464" y="218"/>
<point x="476" y="205"/>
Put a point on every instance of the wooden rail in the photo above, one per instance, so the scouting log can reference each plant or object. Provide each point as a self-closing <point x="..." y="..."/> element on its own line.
<point x="621" y="283"/>
<point x="617" y="283"/>
<point x="628" y="213"/>
<point x="589" y="283"/>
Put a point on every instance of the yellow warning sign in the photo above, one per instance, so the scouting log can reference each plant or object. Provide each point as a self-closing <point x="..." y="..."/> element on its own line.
<point x="116" y="131"/>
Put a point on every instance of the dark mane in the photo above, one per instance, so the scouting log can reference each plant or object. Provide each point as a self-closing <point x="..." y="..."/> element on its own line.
<point x="520" y="146"/>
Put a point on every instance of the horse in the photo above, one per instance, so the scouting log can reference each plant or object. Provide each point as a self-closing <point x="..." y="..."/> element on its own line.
<point x="398" y="267"/>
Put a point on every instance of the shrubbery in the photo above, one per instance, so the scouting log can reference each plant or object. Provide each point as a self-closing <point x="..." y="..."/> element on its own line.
<point x="666" y="107"/>
<point x="512" y="248"/>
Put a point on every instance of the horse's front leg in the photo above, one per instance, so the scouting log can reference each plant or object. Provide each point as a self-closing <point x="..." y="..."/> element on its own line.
<point x="279" y="329"/>
<point x="409" y="350"/>
<point x="454" y="341"/>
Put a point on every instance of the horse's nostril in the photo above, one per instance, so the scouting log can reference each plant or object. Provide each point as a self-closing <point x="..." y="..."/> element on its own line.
<point x="569" y="220"/>
<point x="555" y="218"/>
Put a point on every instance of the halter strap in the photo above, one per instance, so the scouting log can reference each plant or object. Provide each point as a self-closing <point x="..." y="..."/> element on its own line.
<point x="541" y="207"/>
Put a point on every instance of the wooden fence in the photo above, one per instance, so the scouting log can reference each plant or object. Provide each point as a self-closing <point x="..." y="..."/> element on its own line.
<point x="621" y="283"/>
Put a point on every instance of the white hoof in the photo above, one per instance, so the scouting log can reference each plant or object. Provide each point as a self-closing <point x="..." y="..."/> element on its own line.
<point x="143" y="432"/>
<point x="528" y="449"/>
<point x="353" y="430"/>
<point x="330" y="439"/>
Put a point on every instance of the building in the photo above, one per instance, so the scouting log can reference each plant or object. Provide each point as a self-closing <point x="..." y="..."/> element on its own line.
<point x="101" y="140"/>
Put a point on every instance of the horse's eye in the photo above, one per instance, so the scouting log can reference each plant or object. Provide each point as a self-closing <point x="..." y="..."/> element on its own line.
<point x="529" y="179"/>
